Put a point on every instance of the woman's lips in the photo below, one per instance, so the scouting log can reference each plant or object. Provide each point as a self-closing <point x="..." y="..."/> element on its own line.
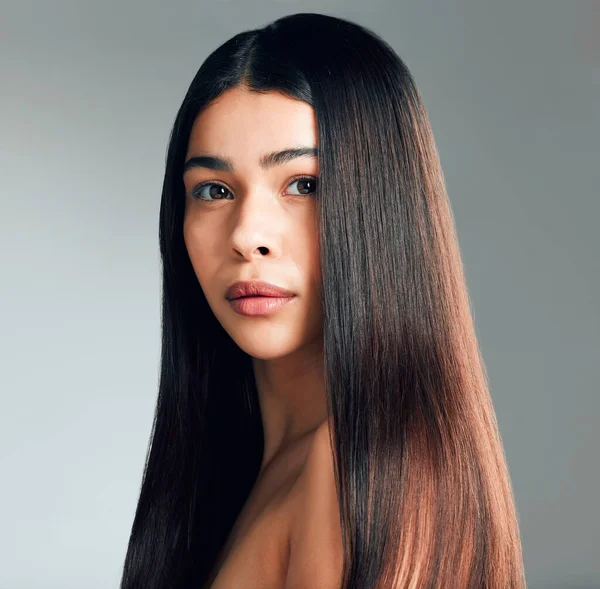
<point x="258" y="305"/>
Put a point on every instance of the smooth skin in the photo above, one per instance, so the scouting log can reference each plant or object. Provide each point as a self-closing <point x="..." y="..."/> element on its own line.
<point x="260" y="223"/>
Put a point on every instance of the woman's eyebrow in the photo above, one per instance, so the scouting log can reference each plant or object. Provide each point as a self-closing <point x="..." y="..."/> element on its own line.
<point x="268" y="160"/>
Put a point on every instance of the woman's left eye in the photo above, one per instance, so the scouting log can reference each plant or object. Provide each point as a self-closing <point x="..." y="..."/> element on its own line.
<point x="306" y="183"/>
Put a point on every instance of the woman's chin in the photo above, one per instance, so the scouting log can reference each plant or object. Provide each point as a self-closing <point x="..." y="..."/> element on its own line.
<point x="266" y="344"/>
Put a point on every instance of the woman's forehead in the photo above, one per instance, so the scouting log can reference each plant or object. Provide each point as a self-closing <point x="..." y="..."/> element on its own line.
<point x="243" y="123"/>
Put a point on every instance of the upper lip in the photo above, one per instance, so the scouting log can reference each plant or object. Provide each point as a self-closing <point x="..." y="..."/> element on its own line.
<point x="255" y="288"/>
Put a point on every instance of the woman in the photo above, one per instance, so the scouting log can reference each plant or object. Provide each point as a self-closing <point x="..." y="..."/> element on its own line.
<point x="332" y="428"/>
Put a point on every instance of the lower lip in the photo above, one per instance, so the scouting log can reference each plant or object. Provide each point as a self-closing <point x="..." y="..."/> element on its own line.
<point x="258" y="305"/>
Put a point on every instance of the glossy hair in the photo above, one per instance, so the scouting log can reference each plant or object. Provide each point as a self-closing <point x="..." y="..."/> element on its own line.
<point x="425" y="496"/>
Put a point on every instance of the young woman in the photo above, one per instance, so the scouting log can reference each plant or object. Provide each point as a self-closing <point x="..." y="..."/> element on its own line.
<point x="323" y="418"/>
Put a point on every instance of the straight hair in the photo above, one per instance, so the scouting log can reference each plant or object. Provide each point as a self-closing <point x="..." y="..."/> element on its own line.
<point x="425" y="497"/>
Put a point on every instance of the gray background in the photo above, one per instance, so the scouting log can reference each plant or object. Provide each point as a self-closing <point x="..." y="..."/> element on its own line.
<point x="89" y="92"/>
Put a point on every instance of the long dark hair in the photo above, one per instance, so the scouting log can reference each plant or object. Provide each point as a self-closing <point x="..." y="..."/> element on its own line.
<point x="425" y="495"/>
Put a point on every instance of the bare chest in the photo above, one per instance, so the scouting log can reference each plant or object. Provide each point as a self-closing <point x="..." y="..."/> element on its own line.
<point x="257" y="551"/>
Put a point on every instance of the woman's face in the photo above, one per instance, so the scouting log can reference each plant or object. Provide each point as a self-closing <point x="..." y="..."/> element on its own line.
<point x="249" y="222"/>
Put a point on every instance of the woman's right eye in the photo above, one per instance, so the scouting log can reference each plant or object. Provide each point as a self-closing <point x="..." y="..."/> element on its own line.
<point x="199" y="192"/>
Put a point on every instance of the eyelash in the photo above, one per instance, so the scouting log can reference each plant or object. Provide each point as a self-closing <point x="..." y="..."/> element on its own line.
<point x="196" y="190"/>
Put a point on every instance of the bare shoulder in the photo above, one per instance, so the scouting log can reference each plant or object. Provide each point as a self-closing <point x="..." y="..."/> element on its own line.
<point x="316" y="552"/>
